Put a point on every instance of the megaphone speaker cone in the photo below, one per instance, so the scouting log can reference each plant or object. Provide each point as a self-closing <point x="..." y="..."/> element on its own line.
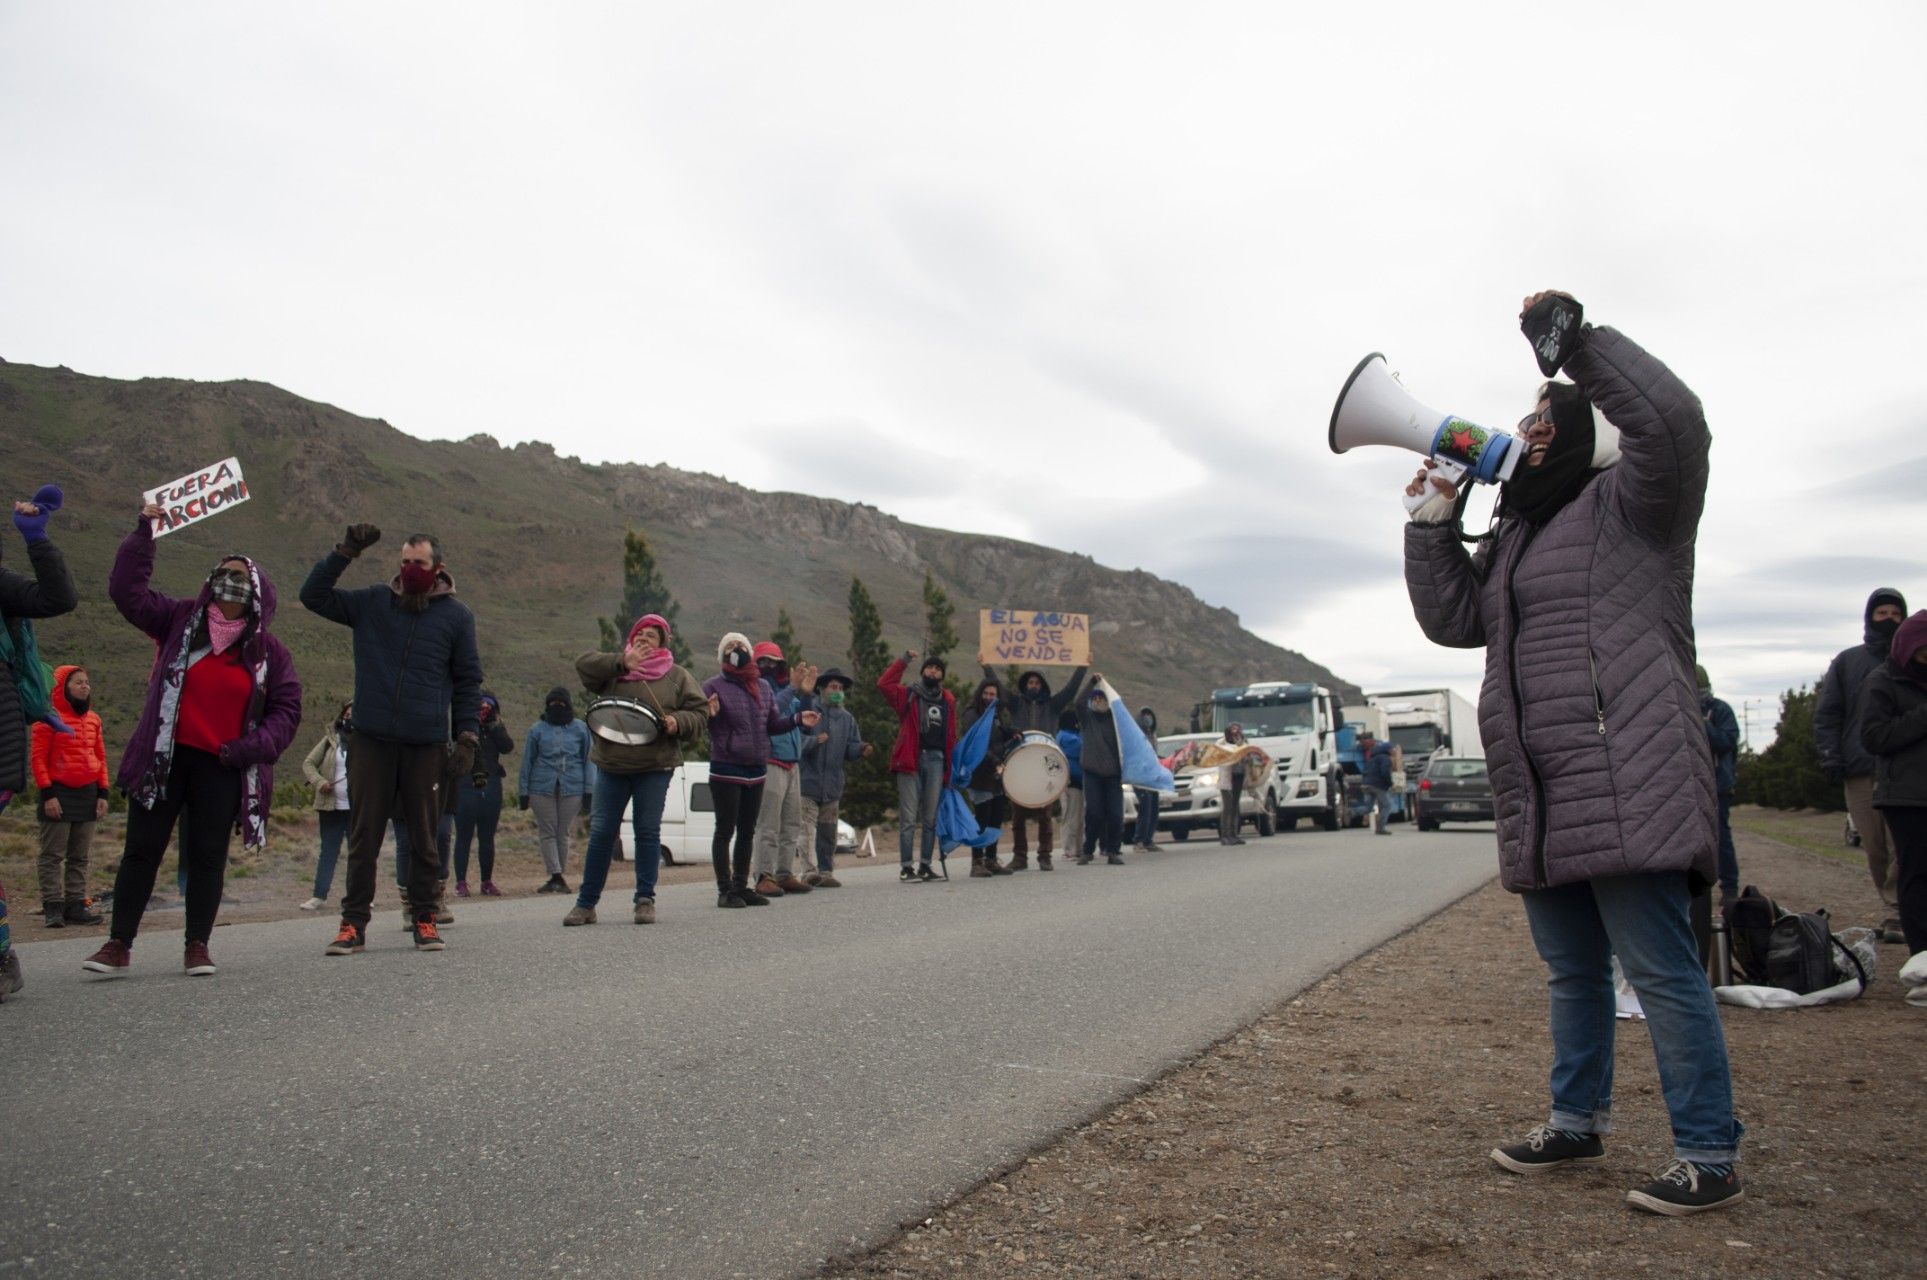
<point x="1338" y="406"/>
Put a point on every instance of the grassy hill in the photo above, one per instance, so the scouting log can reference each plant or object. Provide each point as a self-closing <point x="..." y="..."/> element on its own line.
<point x="534" y="542"/>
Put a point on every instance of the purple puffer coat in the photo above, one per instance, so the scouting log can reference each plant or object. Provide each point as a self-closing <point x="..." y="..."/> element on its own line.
<point x="1589" y="710"/>
<point x="746" y="718"/>
<point x="274" y="712"/>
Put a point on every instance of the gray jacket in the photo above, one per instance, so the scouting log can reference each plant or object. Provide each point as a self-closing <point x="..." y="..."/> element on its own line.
<point x="822" y="764"/>
<point x="1838" y="711"/>
<point x="1589" y="711"/>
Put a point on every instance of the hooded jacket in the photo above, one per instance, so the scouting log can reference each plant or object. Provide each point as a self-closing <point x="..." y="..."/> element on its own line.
<point x="48" y="594"/>
<point x="1837" y="712"/>
<point x="1102" y="758"/>
<point x="903" y="700"/>
<point x="1589" y="710"/>
<point x="274" y="709"/>
<point x="745" y="720"/>
<point x="418" y="676"/>
<point x="555" y="757"/>
<point x="495" y="743"/>
<point x="1723" y="737"/>
<point x="70" y="762"/>
<point x="1894" y="729"/>
<point x="1003" y="736"/>
<point x="1038" y="714"/>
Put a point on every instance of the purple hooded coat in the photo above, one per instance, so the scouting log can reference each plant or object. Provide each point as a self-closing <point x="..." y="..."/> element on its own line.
<point x="1590" y="712"/>
<point x="274" y="711"/>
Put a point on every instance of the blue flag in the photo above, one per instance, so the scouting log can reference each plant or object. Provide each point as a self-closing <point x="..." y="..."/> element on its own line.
<point x="1137" y="752"/>
<point x="956" y="823"/>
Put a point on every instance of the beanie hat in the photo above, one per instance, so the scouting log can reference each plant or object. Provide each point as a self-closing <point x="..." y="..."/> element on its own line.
<point x="656" y="620"/>
<point x="938" y="663"/>
<point x="730" y="641"/>
<point x="1705" y="681"/>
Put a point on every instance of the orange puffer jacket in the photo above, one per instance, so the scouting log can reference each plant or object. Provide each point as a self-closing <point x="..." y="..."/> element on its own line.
<point x="74" y="759"/>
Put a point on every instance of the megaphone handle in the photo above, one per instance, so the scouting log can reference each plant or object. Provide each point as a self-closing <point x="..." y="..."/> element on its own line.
<point x="1450" y="472"/>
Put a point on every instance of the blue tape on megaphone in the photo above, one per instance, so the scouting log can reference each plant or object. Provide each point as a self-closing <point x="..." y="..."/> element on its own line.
<point x="1481" y="451"/>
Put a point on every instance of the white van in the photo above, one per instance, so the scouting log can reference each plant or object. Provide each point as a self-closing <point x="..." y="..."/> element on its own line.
<point x="689" y="819"/>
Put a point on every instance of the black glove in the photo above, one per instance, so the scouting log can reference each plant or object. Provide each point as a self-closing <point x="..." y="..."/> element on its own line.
<point x="1553" y="329"/>
<point x="358" y="539"/>
<point x="522" y="802"/>
<point x="465" y="744"/>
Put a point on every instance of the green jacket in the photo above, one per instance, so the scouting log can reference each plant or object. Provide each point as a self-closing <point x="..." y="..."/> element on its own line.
<point x="677" y="694"/>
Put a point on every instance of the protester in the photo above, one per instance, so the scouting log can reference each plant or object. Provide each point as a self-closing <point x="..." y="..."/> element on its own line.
<point x="1231" y="791"/>
<point x="1894" y="731"/>
<point x="1144" y="838"/>
<point x="635" y="774"/>
<point x="1378" y="776"/>
<point x="70" y="778"/>
<point x="1605" y="860"/>
<point x="326" y="769"/>
<point x="1843" y="753"/>
<point x="417" y="676"/>
<point x="1070" y="805"/>
<point x="1103" y="767"/>
<point x="742" y="716"/>
<point x="554" y="782"/>
<point x="1723" y="739"/>
<point x="779" y="823"/>
<point x="478" y="804"/>
<point x="1033" y="708"/>
<point x="926" y="737"/>
<point x="25" y="695"/>
<point x="986" y="790"/>
<point x="835" y="742"/>
<point x="223" y="706"/>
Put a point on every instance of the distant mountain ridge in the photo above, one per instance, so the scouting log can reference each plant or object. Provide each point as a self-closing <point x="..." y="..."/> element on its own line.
<point x="534" y="542"/>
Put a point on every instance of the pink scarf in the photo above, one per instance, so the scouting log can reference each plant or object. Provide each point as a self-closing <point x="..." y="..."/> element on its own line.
<point x="223" y="632"/>
<point x="657" y="664"/>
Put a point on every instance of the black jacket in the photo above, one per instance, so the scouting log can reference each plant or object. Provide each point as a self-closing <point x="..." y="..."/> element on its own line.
<point x="48" y="594"/>
<point x="1894" y="732"/>
<point x="1039" y="714"/>
<point x="1003" y="736"/>
<point x="418" y="676"/>
<point x="1836" y="716"/>
<point x="1102" y="759"/>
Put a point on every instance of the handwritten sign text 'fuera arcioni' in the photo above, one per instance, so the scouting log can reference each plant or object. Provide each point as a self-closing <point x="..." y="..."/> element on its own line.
<point x="198" y="495"/>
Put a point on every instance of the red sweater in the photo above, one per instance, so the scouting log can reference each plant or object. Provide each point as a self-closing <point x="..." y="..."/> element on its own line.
<point x="214" y="702"/>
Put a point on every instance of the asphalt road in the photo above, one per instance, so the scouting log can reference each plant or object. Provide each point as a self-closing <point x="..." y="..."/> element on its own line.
<point x="741" y="1093"/>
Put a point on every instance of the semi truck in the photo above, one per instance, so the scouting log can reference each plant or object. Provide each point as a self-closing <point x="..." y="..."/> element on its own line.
<point x="1424" y="722"/>
<point x="1297" y="725"/>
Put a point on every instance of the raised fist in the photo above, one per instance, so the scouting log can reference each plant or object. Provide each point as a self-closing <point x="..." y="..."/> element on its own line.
<point x="358" y="539"/>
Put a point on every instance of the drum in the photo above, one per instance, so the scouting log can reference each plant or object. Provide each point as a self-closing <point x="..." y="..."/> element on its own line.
<point x="623" y="721"/>
<point x="1036" y="771"/>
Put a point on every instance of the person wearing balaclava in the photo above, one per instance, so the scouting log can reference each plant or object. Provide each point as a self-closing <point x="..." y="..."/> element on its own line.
<point x="1723" y="739"/>
<point x="418" y="678"/>
<point x="223" y="705"/>
<point x="1836" y="735"/>
<point x="326" y="769"/>
<point x="742" y="718"/>
<point x="554" y="781"/>
<point x="478" y="804"/>
<point x="1894" y="729"/>
<point x="1033" y="708"/>
<point x="985" y="791"/>
<point x="1602" y="776"/>
<point x="926" y="739"/>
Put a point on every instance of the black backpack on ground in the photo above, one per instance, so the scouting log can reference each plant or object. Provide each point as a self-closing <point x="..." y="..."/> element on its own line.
<point x="1795" y="951"/>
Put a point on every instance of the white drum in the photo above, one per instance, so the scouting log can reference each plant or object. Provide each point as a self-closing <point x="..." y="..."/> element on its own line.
<point x="623" y="721"/>
<point x="1036" y="771"/>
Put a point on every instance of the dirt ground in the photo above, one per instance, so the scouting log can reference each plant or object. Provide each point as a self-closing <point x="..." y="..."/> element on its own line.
<point x="1345" y="1133"/>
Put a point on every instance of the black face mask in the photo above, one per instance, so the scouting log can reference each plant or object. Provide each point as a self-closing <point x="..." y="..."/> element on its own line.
<point x="1884" y="628"/>
<point x="735" y="658"/>
<point x="1536" y="494"/>
<point x="558" y="713"/>
<point x="931" y="682"/>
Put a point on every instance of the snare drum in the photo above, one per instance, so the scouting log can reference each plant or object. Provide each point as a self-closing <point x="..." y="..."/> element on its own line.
<point x="1036" y="771"/>
<point x="623" y="721"/>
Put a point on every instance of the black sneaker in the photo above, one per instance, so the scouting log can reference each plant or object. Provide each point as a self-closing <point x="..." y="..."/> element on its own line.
<point x="1550" y="1148"/>
<point x="1684" y="1188"/>
<point x="925" y="874"/>
<point x="730" y="898"/>
<point x="908" y="875"/>
<point x="751" y="898"/>
<point x="1115" y="859"/>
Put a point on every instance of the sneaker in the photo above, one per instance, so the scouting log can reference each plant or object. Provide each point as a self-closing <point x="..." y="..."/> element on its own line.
<point x="348" y="941"/>
<point x="562" y="886"/>
<point x="1114" y="859"/>
<point x="489" y="890"/>
<point x="1684" y="1188"/>
<point x="578" y="914"/>
<point x="77" y="913"/>
<point x="824" y="880"/>
<point x="753" y="897"/>
<point x="548" y="886"/>
<point x="730" y="898"/>
<point x="1549" y="1148"/>
<point x="55" y="915"/>
<point x="1914" y="972"/>
<point x="767" y="887"/>
<point x="925" y="873"/>
<point x="1084" y="859"/>
<point x="908" y="875"/>
<point x="1043" y="862"/>
<point x="790" y="884"/>
<point x="428" y="937"/>
<point x="196" y="961"/>
<point x="314" y="904"/>
<point x="112" y="959"/>
<point x="646" y="911"/>
<point x="461" y="888"/>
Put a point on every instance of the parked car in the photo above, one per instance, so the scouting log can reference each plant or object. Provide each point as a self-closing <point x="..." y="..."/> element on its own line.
<point x="1453" y="789"/>
<point x="689" y="820"/>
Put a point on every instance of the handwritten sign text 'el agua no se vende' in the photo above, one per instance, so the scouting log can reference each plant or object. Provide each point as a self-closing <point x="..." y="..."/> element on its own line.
<point x="1033" y="637"/>
<point x="198" y="495"/>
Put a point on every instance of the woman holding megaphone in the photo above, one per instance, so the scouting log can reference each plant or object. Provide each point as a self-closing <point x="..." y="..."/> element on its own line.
<point x="1581" y="595"/>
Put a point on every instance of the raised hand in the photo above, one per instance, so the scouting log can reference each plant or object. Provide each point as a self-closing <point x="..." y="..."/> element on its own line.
<point x="358" y="539"/>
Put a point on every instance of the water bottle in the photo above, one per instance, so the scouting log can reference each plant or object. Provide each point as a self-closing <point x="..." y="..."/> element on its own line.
<point x="1722" y="952"/>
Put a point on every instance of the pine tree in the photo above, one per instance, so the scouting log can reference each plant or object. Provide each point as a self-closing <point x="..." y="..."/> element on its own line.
<point x="783" y="636"/>
<point x="868" y="654"/>
<point x="643" y="591"/>
<point x="869" y="790"/>
<point x="939" y="631"/>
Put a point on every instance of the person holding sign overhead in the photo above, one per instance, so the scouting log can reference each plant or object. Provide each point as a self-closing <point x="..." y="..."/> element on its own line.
<point x="1033" y="709"/>
<point x="222" y="707"/>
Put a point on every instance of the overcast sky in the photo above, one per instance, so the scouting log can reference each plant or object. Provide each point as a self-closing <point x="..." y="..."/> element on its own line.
<point x="1086" y="274"/>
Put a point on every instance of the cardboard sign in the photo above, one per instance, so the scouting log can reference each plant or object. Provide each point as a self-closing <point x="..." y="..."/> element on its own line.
<point x="198" y="495"/>
<point x="1033" y="638"/>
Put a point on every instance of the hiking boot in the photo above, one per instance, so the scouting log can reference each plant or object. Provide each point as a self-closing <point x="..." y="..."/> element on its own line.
<point x="489" y="890"/>
<point x="348" y="941"/>
<point x="579" y="914"/>
<point x="112" y="959"/>
<point x="924" y="873"/>
<point x="1549" y="1148"/>
<point x="790" y="884"/>
<point x="461" y="888"/>
<point x="824" y="880"/>
<point x="753" y="897"/>
<point x="427" y="936"/>
<point x="443" y="915"/>
<point x="1684" y="1188"/>
<point x="979" y="870"/>
<point x="1043" y="862"/>
<point x="766" y="887"/>
<point x="730" y="898"/>
<point x="996" y="868"/>
<point x="55" y="914"/>
<point x="907" y="875"/>
<point x="1114" y="859"/>
<point x="1020" y="861"/>
<point x="77" y="912"/>
<point x="314" y="904"/>
<point x="196" y="961"/>
<point x="645" y="911"/>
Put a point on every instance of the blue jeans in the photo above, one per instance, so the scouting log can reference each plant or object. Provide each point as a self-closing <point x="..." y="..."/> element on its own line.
<point x="613" y="792"/>
<point x="1147" y="815"/>
<point x="917" y="797"/>
<point x="1577" y="929"/>
<point x="334" y="829"/>
<point x="1729" y="861"/>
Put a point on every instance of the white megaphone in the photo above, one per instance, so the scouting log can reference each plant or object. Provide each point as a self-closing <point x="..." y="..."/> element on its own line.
<point x="1375" y="408"/>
